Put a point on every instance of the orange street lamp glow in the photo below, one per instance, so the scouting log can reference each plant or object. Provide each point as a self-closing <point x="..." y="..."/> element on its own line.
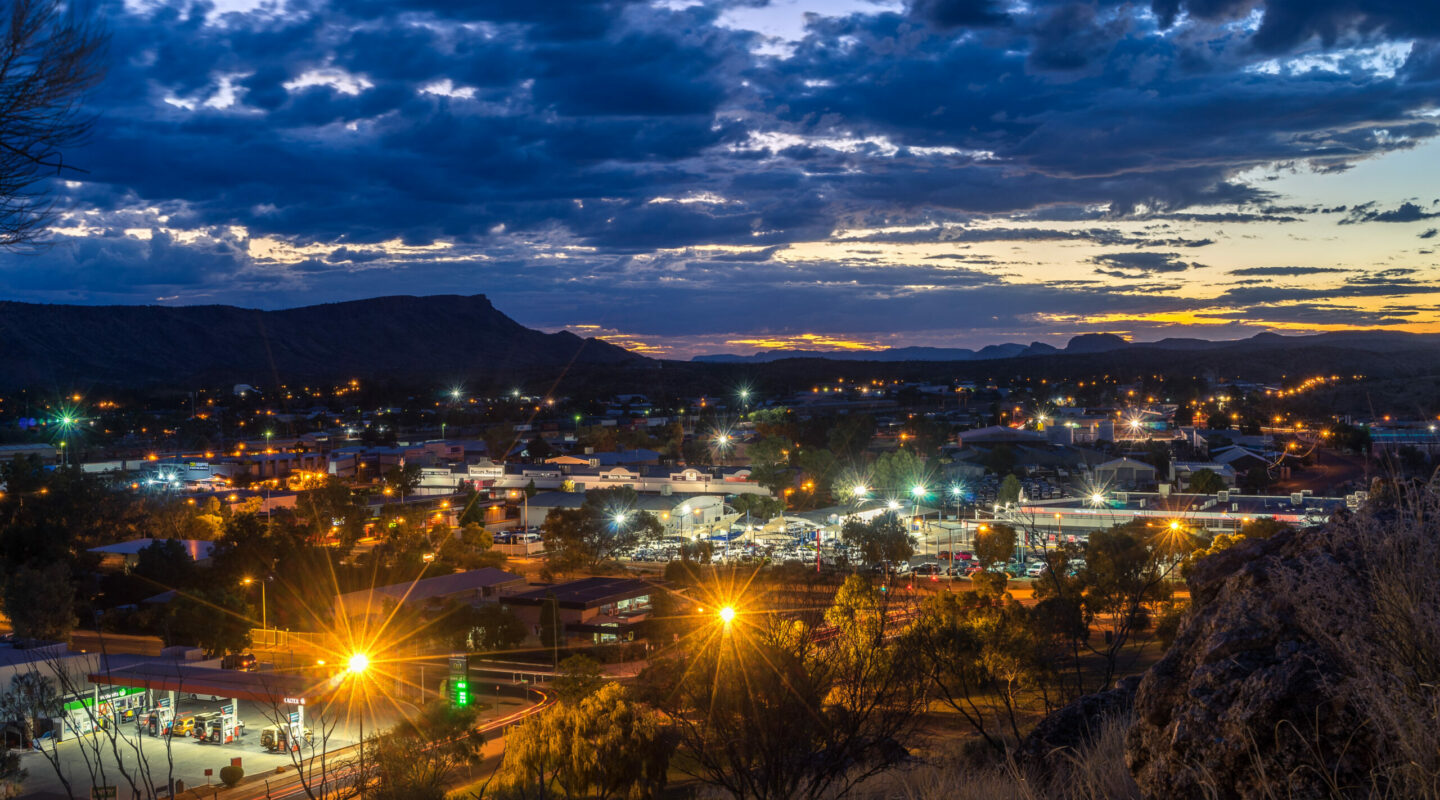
<point x="727" y="615"/>
<point x="358" y="663"/>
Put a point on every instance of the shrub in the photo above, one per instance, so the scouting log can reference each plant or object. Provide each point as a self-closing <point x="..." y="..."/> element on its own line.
<point x="231" y="775"/>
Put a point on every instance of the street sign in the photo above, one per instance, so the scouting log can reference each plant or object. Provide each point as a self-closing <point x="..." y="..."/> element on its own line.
<point x="104" y="792"/>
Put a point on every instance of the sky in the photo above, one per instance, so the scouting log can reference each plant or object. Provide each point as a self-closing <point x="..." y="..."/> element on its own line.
<point x="700" y="176"/>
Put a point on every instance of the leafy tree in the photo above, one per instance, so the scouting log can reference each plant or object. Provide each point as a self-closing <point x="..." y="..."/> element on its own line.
<point x="995" y="544"/>
<point x="760" y="507"/>
<point x="403" y="479"/>
<point x="40" y="601"/>
<point x="1256" y="479"/>
<point x="1206" y="481"/>
<point x="983" y="657"/>
<point x="579" y="677"/>
<point x="1001" y="460"/>
<point x="1009" y="491"/>
<point x="165" y="564"/>
<point x="494" y="626"/>
<point x="849" y="436"/>
<point x="882" y="539"/>
<point x="897" y="471"/>
<point x="605" y="746"/>
<point x="764" y="710"/>
<point x="417" y="758"/>
<point x="820" y="467"/>
<point x="215" y="619"/>
<point x="604" y="526"/>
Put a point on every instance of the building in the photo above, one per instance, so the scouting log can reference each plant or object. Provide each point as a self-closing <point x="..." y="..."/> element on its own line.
<point x="686" y="515"/>
<point x="473" y="587"/>
<point x="600" y="609"/>
<point x="1124" y="473"/>
<point x="645" y="480"/>
<point x="1073" y="519"/>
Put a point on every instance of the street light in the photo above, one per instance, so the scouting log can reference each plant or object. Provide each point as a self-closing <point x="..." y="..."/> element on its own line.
<point x="356" y="666"/>
<point x="264" y="622"/>
<point x="727" y="615"/>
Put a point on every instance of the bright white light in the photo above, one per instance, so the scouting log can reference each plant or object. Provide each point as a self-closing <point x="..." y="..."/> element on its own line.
<point x="727" y="615"/>
<point x="358" y="663"/>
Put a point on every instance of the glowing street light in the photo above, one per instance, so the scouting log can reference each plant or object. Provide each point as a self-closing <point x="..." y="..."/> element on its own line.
<point x="356" y="666"/>
<point x="918" y="491"/>
<point x="727" y="615"/>
<point x="1097" y="499"/>
<point x="264" y="621"/>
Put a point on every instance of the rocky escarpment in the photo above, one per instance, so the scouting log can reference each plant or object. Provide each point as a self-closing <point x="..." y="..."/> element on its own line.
<point x="1302" y="670"/>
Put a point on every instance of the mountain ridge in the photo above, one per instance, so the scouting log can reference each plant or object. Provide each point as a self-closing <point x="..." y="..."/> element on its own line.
<point x="400" y="336"/>
<point x="1085" y="343"/>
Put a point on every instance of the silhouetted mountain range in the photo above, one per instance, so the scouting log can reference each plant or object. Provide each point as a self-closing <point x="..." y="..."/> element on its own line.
<point x="1090" y="343"/>
<point x="401" y="337"/>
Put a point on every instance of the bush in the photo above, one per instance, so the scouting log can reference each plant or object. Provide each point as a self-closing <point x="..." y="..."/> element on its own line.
<point x="231" y="775"/>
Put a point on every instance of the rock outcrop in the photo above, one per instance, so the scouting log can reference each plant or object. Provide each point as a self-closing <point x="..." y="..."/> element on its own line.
<point x="1271" y="686"/>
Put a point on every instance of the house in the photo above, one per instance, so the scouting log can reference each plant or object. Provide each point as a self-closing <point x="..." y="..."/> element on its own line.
<point x="1239" y="459"/>
<point x="473" y="587"/>
<point x="1126" y="472"/>
<point x="602" y="609"/>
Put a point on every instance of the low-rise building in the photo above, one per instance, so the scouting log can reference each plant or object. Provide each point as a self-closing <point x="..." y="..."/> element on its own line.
<point x="599" y="609"/>
<point x="476" y="586"/>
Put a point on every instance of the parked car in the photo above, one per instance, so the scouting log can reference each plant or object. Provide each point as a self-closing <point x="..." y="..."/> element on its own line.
<point x="245" y="662"/>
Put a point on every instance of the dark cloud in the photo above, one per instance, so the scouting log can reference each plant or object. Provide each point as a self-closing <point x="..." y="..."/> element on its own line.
<point x="1132" y="265"/>
<point x="1405" y="212"/>
<point x="578" y="155"/>
<point x="959" y="13"/>
<point x="1288" y="271"/>
<point x="1429" y="233"/>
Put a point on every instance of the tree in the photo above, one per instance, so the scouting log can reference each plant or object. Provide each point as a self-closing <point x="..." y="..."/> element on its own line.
<point x="897" y="471"/>
<point x="606" y="746"/>
<point x="1256" y="479"/>
<point x="1206" y="481"/>
<point x="215" y="619"/>
<point x="40" y="601"/>
<point x="48" y="58"/>
<point x="981" y="655"/>
<point x="495" y="627"/>
<point x="766" y="711"/>
<point x="579" y="677"/>
<point x="404" y="479"/>
<point x="415" y="760"/>
<point x="849" y="436"/>
<point x="759" y="506"/>
<point x="882" y="539"/>
<point x="1001" y="460"/>
<point x="1009" y="491"/>
<point x="30" y="698"/>
<point x="604" y="526"/>
<point x="995" y="544"/>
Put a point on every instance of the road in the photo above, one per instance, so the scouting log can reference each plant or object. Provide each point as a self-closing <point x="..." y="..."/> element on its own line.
<point x="289" y="786"/>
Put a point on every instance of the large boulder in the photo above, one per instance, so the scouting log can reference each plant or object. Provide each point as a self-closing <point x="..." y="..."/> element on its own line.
<point x="1274" y="685"/>
<point x="1074" y="726"/>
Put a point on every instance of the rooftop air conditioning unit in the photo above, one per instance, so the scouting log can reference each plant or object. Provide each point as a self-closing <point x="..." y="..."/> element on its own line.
<point x="1223" y="496"/>
<point x="1296" y="498"/>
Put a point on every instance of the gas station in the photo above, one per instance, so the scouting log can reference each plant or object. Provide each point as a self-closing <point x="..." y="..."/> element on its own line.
<point x="150" y="695"/>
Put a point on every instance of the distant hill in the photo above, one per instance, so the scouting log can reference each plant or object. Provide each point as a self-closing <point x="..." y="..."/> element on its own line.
<point x="65" y="346"/>
<point x="1094" y="343"/>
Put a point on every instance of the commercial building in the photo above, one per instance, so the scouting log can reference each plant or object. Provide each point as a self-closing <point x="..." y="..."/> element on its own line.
<point x="599" y="609"/>
<point x="685" y="515"/>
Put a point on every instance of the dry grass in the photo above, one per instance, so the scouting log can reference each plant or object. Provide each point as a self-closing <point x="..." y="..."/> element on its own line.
<point x="1097" y="772"/>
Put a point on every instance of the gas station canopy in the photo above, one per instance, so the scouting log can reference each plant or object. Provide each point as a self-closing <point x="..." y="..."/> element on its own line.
<point x="260" y="687"/>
